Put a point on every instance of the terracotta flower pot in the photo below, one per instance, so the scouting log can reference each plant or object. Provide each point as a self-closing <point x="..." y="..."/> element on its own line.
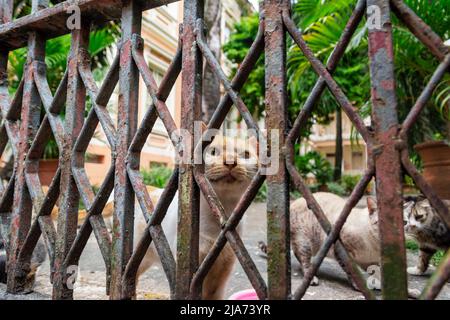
<point x="436" y="166"/>
<point x="47" y="170"/>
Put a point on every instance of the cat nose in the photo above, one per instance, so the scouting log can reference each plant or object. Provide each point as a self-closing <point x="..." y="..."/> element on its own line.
<point x="230" y="164"/>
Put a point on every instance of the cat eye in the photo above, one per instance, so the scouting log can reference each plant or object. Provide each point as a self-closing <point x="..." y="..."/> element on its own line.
<point x="245" y="155"/>
<point x="419" y="217"/>
<point x="214" y="151"/>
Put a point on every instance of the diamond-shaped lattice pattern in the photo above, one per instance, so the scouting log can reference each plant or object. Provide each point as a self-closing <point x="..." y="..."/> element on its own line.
<point x="27" y="137"/>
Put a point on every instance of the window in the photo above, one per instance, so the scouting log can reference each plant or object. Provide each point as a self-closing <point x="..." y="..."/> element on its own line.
<point x="330" y="158"/>
<point x="357" y="160"/>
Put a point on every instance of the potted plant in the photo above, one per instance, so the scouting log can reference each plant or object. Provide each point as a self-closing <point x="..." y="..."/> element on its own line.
<point x="434" y="151"/>
<point x="435" y="157"/>
<point x="49" y="163"/>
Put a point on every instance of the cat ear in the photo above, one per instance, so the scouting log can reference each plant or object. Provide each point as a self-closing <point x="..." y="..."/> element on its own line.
<point x="204" y="127"/>
<point x="371" y="205"/>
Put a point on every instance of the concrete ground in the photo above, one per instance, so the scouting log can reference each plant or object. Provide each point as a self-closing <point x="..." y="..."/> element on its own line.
<point x="153" y="285"/>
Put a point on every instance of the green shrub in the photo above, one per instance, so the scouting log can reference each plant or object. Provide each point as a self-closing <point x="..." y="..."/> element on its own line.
<point x="336" y="188"/>
<point x="437" y="258"/>
<point x="157" y="176"/>
<point x="314" y="187"/>
<point x="412" y="245"/>
<point x="314" y="163"/>
<point x="349" y="182"/>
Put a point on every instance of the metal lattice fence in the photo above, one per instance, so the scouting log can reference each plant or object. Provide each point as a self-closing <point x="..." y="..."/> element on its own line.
<point x="27" y="133"/>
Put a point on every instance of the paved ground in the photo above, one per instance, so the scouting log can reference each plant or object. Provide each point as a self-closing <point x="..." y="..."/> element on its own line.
<point x="153" y="285"/>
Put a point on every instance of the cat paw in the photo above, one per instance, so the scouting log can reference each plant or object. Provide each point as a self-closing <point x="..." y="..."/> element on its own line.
<point x="413" y="293"/>
<point x="315" y="281"/>
<point x="415" y="271"/>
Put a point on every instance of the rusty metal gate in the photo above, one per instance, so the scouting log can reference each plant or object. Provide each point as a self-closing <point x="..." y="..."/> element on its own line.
<point x="27" y="134"/>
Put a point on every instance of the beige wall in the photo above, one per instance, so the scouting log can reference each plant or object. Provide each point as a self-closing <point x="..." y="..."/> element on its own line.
<point x="160" y="32"/>
<point x="354" y="153"/>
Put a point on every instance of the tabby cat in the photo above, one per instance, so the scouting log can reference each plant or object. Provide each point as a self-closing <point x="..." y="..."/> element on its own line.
<point x="423" y="224"/>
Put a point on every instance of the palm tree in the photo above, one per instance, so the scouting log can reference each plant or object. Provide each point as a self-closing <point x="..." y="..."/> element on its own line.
<point x="322" y="22"/>
<point x="101" y="40"/>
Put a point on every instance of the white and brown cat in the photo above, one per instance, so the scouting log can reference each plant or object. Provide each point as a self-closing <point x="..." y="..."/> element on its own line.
<point x="359" y="234"/>
<point x="230" y="165"/>
<point x="423" y="224"/>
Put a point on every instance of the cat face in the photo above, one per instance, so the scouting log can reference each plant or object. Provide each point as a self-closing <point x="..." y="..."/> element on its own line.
<point x="230" y="160"/>
<point x="417" y="215"/>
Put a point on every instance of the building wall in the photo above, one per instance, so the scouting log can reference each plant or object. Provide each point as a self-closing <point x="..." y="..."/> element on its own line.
<point x="323" y="140"/>
<point x="160" y="32"/>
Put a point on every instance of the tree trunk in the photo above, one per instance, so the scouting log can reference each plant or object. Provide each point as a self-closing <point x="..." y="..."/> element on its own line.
<point x="338" y="154"/>
<point x="211" y="83"/>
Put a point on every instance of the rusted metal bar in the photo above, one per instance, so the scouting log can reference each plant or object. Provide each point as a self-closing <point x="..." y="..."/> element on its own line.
<point x="167" y="259"/>
<point x="54" y="120"/>
<point x="332" y="237"/>
<point x="221" y="241"/>
<point x="153" y="232"/>
<point x="332" y="63"/>
<point x="348" y="265"/>
<point x="152" y="88"/>
<point x="94" y="203"/>
<point x="438" y="279"/>
<point x="319" y="68"/>
<point x="78" y="158"/>
<point x="278" y="233"/>
<point x="6" y="196"/>
<point x="123" y="219"/>
<point x="151" y="115"/>
<point x="231" y="235"/>
<point x="60" y="95"/>
<point x="68" y="208"/>
<point x="91" y="87"/>
<point x="6" y="11"/>
<point x="217" y="69"/>
<point x="109" y="83"/>
<point x="42" y="204"/>
<point x="424" y="97"/>
<point x="239" y="79"/>
<point x="101" y="98"/>
<point x="52" y="22"/>
<point x="387" y="157"/>
<point x="188" y="191"/>
<point x="22" y="207"/>
<point x="420" y="29"/>
<point x="94" y="222"/>
<point x="427" y="190"/>
<point x="16" y="104"/>
<point x="86" y="228"/>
